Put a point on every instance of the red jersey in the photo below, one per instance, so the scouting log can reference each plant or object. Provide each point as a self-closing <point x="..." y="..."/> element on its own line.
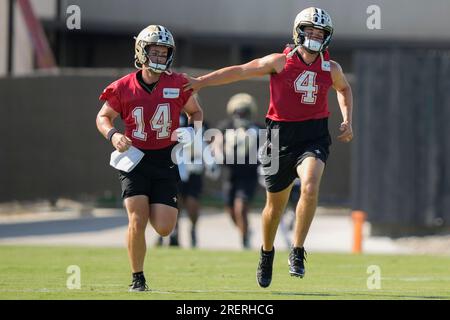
<point x="149" y="118"/>
<point x="299" y="92"/>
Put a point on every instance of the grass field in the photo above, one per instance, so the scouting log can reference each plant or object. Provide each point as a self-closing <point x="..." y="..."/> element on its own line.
<point x="40" y="273"/>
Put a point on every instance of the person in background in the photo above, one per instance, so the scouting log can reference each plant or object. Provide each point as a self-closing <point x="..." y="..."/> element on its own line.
<point x="241" y="179"/>
<point x="190" y="187"/>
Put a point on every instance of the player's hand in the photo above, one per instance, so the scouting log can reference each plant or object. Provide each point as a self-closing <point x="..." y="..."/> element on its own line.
<point x="193" y="84"/>
<point x="121" y="142"/>
<point x="347" y="132"/>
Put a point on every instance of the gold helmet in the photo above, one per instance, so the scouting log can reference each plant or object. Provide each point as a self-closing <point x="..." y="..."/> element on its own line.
<point x="242" y="104"/>
<point x="316" y="18"/>
<point x="153" y="35"/>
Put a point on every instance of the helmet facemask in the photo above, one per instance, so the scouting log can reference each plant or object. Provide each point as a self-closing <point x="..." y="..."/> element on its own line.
<point x="313" y="45"/>
<point x="155" y="66"/>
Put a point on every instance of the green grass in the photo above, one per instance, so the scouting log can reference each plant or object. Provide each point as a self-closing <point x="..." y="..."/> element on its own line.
<point x="40" y="273"/>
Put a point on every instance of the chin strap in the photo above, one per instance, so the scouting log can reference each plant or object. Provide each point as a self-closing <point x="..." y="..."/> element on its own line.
<point x="290" y="54"/>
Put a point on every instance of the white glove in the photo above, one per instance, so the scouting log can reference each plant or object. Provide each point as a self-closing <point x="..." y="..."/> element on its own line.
<point x="185" y="135"/>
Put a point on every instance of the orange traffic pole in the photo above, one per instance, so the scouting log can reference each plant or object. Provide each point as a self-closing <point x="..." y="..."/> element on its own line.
<point x="358" y="218"/>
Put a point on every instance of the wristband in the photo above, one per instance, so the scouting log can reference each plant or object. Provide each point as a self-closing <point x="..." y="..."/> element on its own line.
<point x="111" y="133"/>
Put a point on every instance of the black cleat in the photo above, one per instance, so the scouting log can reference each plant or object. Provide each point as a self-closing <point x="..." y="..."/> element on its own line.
<point x="264" y="271"/>
<point x="297" y="256"/>
<point x="138" y="284"/>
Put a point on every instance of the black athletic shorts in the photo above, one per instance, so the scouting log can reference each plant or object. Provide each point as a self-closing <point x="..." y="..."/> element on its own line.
<point x="156" y="177"/>
<point x="192" y="187"/>
<point x="297" y="141"/>
<point x="239" y="188"/>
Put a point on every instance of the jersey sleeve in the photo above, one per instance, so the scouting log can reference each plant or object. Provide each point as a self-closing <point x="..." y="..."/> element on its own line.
<point x="111" y="94"/>
<point x="184" y="95"/>
<point x="288" y="49"/>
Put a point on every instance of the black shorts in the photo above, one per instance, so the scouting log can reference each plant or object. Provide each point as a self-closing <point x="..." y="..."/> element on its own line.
<point x="298" y="141"/>
<point x="239" y="188"/>
<point x="156" y="177"/>
<point x="192" y="187"/>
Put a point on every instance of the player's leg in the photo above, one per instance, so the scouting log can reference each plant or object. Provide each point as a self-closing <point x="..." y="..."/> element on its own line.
<point x="240" y="214"/>
<point x="163" y="218"/>
<point x="192" y="205"/>
<point x="278" y="187"/>
<point x="244" y="194"/>
<point x="274" y="208"/>
<point x="174" y="235"/>
<point x="229" y="193"/>
<point x="183" y="187"/>
<point x="138" y="216"/>
<point x="164" y="206"/>
<point x="310" y="172"/>
<point x="135" y="194"/>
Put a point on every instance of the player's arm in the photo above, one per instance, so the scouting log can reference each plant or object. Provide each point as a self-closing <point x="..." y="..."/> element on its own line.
<point x="345" y="100"/>
<point x="273" y="63"/>
<point x="193" y="110"/>
<point x="195" y="116"/>
<point x="105" y="119"/>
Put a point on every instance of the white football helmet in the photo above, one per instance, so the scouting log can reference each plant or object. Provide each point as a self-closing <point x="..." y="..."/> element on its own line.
<point x="316" y="18"/>
<point x="242" y="104"/>
<point x="153" y="35"/>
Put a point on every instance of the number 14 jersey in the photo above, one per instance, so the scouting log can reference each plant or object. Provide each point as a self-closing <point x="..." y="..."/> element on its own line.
<point x="149" y="118"/>
<point x="299" y="92"/>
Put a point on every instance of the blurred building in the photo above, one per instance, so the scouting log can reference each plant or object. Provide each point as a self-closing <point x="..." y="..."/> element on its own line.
<point x="210" y="34"/>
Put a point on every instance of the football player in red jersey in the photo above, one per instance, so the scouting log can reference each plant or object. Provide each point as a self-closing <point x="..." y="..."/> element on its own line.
<point x="300" y="78"/>
<point x="149" y="103"/>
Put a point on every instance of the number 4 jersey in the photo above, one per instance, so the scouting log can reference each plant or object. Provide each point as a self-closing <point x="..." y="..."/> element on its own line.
<point x="299" y="92"/>
<point x="149" y="118"/>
